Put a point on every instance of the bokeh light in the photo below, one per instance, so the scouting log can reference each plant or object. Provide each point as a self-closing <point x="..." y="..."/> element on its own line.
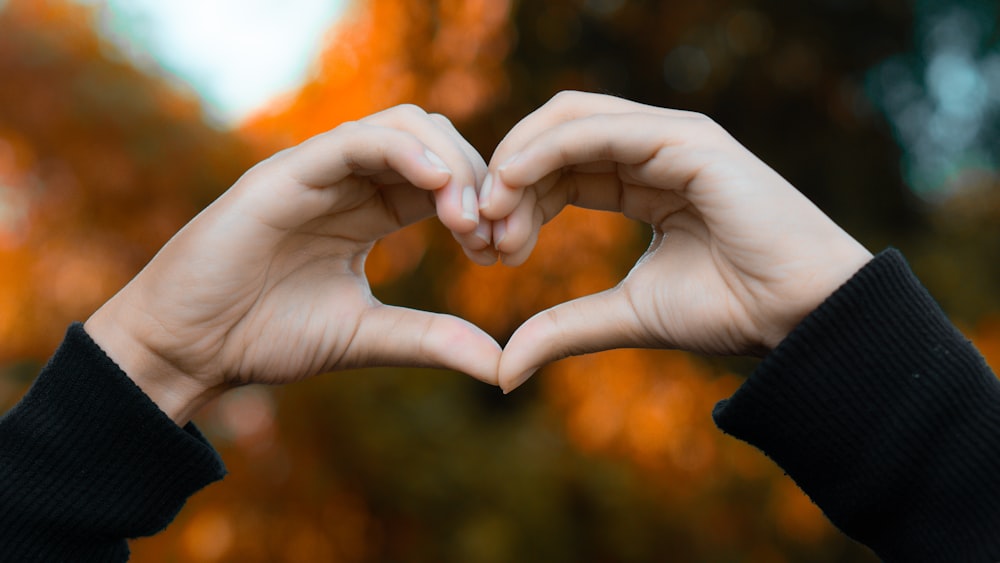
<point x="943" y="98"/>
<point x="110" y="140"/>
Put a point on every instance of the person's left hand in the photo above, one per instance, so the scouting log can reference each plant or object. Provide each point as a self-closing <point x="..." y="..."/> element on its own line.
<point x="737" y="259"/>
<point x="267" y="285"/>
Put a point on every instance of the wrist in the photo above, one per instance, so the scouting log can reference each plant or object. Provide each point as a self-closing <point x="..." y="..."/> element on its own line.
<point x="176" y="393"/>
<point x="841" y="264"/>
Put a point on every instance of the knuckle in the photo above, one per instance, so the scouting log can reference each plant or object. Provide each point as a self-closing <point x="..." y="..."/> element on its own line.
<point x="570" y="96"/>
<point x="441" y="118"/>
<point x="410" y="110"/>
<point x="347" y="128"/>
<point x="706" y="128"/>
<point x="396" y="115"/>
<point x="696" y="116"/>
<point x="704" y="121"/>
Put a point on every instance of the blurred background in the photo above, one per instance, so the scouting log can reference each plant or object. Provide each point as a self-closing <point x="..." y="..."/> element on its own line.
<point x="120" y="119"/>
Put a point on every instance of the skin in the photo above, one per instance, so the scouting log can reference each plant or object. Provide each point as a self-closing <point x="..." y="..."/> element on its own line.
<point x="737" y="259"/>
<point x="267" y="284"/>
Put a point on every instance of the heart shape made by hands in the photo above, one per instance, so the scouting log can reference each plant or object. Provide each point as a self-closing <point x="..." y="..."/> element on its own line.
<point x="267" y="284"/>
<point x="738" y="256"/>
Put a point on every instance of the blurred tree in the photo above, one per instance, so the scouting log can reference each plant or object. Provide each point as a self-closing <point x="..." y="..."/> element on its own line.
<point x="610" y="457"/>
<point x="653" y="421"/>
<point x="99" y="165"/>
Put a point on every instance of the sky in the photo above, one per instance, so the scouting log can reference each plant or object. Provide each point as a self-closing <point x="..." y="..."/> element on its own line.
<point x="240" y="54"/>
<point x="236" y="54"/>
<point x="942" y="99"/>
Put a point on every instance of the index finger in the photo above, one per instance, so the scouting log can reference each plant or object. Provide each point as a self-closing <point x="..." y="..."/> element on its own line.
<point x="320" y="163"/>
<point x="628" y="162"/>
<point x="500" y="195"/>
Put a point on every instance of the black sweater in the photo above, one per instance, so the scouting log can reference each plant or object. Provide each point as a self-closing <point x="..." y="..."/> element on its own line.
<point x="87" y="460"/>
<point x="886" y="416"/>
<point x="875" y="405"/>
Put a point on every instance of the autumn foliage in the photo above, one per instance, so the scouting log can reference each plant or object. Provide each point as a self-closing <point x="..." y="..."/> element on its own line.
<point x="99" y="165"/>
<point x="607" y="457"/>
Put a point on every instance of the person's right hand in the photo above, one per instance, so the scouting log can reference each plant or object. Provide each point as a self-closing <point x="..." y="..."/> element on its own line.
<point x="738" y="255"/>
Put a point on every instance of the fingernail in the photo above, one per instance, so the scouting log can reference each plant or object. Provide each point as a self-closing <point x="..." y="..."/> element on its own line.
<point x="484" y="192"/>
<point x="484" y="232"/>
<point x="513" y="158"/>
<point x="487" y="255"/>
<point x="499" y="233"/>
<point x="436" y="162"/>
<point x="519" y="380"/>
<point x="470" y="207"/>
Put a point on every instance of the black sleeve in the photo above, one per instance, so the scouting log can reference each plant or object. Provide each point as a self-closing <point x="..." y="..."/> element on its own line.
<point x="886" y="416"/>
<point x="88" y="460"/>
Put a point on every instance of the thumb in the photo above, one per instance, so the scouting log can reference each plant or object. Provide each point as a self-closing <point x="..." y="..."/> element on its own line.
<point x="597" y="322"/>
<point x="398" y="336"/>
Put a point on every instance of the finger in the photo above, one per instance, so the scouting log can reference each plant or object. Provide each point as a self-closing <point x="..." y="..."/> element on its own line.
<point x="662" y="163"/>
<point x="629" y="139"/>
<point x="476" y="159"/>
<point x="602" y="321"/>
<point x="403" y="206"/>
<point x="515" y="237"/>
<point x="563" y="107"/>
<point x="325" y="161"/>
<point x="607" y="191"/>
<point x="485" y="257"/>
<point x="480" y="237"/>
<point x="364" y="149"/>
<point x="397" y="336"/>
<point x="476" y="242"/>
<point x="457" y="201"/>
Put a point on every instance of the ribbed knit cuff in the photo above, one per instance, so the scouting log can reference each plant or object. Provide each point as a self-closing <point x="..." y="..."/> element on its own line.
<point x="886" y="416"/>
<point x="87" y="459"/>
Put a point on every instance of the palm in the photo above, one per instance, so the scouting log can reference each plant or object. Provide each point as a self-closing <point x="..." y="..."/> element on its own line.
<point x="267" y="285"/>
<point x="263" y="305"/>
<point x="288" y="334"/>
<point x="702" y="284"/>
<point x="738" y="257"/>
<point x="681" y="292"/>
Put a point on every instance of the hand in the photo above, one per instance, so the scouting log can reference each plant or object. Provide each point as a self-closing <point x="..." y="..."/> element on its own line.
<point x="267" y="284"/>
<point x="738" y="256"/>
